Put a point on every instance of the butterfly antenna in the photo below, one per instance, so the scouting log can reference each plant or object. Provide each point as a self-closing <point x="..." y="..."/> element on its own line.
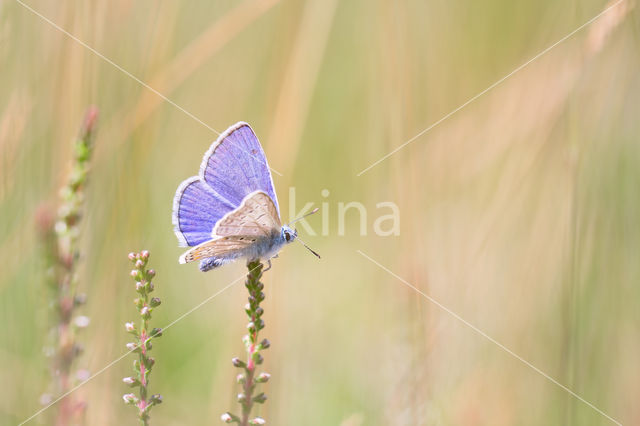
<point x="307" y="247"/>
<point x="303" y="216"/>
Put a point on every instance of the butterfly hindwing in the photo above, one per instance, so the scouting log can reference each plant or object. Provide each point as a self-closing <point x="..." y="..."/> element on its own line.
<point x="253" y="223"/>
<point x="196" y="210"/>
<point x="218" y="247"/>
<point x="257" y="215"/>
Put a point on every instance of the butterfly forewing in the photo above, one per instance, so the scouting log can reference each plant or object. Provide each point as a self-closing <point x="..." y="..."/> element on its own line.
<point x="236" y="166"/>
<point x="233" y="168"/>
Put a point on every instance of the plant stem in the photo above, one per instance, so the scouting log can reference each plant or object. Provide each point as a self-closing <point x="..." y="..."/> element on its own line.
<point x="249" y="380"/>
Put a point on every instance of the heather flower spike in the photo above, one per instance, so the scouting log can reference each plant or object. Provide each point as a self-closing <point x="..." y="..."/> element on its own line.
<point x="143" y="336"/>
<point x="248" y="379"/>
<point x="60" y="233"/>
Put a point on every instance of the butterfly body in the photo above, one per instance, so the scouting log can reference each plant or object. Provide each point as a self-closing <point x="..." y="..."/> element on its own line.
<point x="230" y="211"/>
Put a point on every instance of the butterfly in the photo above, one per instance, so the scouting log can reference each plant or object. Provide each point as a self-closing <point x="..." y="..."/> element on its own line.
<point x="230" y="210"/>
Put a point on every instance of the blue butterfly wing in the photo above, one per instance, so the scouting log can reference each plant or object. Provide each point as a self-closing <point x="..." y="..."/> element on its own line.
<point x="232" y="168"/>
<point x="196" y="210"/>
<point x="235" y="166"/>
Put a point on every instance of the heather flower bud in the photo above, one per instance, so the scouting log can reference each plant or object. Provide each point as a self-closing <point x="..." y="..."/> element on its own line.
<point x="139" y="286"/>
<point x="130" y="381"/>
<point x="229" y="418"/>
<point x="130" y="327"/>
<point x="132" y="346"/>
<point x="237" y="362"/>
<point x="144" y="255"/>
<point x="263" y="377"/>
<point x="83" y="375"/>
<point x="78" y="349"/>
<point x="139" y="264"/>
<point x="257" y="358"/>
<point x="145" y="312"/>
<point x="265" y="344"/>
<point x="257" y="421"/>
<point x="80" y="299"/>
<point x="81" y="321"/>
<point x="132" y="257"/>
<point x="241" y="379"/>
<point x="156" y="399"/>
<point x="154" y="302"/>
<point x="251" y="327"/>
<point x="149" y="362"/>
<point x="241" y="397"/>
<point x="151" y="273"/>
<point x="134" y="273"/>
<point x="130" y="398"/>
<point x="156" y="332"/>
<point x="46" y="399"/>
<point x="260" y="398"/>
<point x="259" y="311"/>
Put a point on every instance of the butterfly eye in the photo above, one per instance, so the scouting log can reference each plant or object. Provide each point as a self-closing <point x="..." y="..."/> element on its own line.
<point x="287" y="236"/>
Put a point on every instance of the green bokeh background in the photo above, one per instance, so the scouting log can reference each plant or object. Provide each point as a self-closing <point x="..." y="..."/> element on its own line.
<point x="520" y="213"/>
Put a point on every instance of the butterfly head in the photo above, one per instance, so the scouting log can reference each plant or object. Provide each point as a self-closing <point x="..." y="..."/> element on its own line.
<point x="289" y="234"/>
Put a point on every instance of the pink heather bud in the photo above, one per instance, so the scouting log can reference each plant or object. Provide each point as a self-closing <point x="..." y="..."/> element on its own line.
<point x="226" y="417"/>
<point x="251" y="326"/>
<point x="257" y="421"/>
<point x="130" y="327"/>
<point x="134" y="273"/>
<point x="265" y="344"/>
<point x="241" y="397"/>
<point x="144" y="254"/>
<point x="241" y="379"/>
<point x="46" y="398"/>
<point x="81" y="321"/>
<point x="132" y="256"/>
<point x="90" y="119"/>
<point x="139" y="286"/>
<point x="152" y="273"/>
<point x="263" y="378"/>
<point x="139" y="264"/>
<point x="132" y="346"/>
<point x="129" y="381"/>
<point x="129" y="398"/>
<point x="83" y="375"/>
<point x="237" y="362"/>
<point x="145" y="311"/>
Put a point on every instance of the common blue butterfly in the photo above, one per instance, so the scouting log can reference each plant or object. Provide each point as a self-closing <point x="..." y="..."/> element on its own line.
<point x="230" y="210"/>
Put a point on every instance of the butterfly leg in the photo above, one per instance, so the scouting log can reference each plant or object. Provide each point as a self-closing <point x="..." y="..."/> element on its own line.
<point x="269" y="267"/>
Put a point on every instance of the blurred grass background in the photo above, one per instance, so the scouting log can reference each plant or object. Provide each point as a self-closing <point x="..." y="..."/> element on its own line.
<point x="520" y="213"/>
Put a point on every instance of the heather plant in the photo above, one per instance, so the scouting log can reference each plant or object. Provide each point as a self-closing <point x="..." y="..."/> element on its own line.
<point x="60" y="236"/>
<point x="143" y="334"/>
<point x="248" y="379"/>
